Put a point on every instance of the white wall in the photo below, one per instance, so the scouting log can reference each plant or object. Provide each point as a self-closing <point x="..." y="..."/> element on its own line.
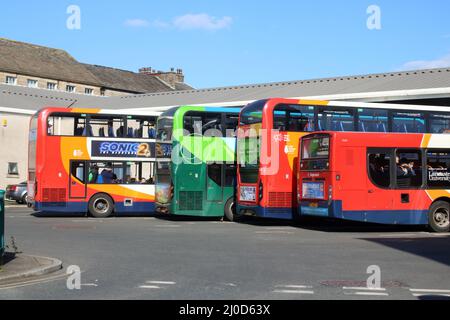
<point x="13" y="147"/>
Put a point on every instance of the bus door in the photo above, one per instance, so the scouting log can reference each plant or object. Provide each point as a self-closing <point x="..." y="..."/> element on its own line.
<point x="77" y="180"/>
<point x="214" y="182"/>
<point x="381" y="162"/>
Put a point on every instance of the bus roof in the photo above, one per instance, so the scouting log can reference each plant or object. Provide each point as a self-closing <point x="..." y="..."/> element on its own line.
<point x="272" y="102"/>
<point x="98" y="111"/>
<point x="385" y="140"/>
<point x="171" y="112"/>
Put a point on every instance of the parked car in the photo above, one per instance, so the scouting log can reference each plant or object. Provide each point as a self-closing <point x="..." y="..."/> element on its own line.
<point x="17" y="192"/>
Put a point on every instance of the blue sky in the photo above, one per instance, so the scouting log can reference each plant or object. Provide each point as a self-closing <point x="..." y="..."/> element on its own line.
<point x="219" y="43"/>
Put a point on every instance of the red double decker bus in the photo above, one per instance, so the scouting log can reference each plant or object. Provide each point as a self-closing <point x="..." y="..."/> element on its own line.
<point x="92" y="161"/>
<point x="386" y="178"/>
<point x="269" y="132"/>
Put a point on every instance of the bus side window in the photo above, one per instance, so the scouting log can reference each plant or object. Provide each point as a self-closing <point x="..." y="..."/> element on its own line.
<point x="372" y="120"/>
<point x="438" y="169"/>
<point x="409" y="168"/>
<point x="439" y="123"/>
<point x="65" y="125"/>
<point x="78" y="170"/>
<point x="215" y="173"/>
<point x="408" y="122"/>
<point x="379" y="169"/>
<point x="230" y="175"/>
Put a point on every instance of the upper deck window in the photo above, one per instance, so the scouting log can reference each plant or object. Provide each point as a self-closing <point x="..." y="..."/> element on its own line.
<point x="66" y="125"/>
<point x="407" y="122"/>
<point x="107" y="126"/>
<point x="252" y="113"/>
<point x="336" y="119"/>
<point x="293" y="118"/>
<point x="164" y="129"/>
<point x="439" y="123"/>
<point x="200" y="123"/>
<point x="372" y="120"/>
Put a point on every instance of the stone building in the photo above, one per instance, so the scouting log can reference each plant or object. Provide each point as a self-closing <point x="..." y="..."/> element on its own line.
<point x="33" y="66"/>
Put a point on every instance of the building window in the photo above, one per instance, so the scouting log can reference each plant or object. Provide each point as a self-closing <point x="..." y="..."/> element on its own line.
<point x="70" y="88"/>
<point x="11" y="80"/>
<point x="102" y="91"/>
<point x="89" y="91"/>
<point x="13" y="168"/>
<point x="31" y="83"/>
<point x="51" y="86"/>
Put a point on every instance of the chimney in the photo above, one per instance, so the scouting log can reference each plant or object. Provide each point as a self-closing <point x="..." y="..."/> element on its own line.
<point x="171" y="77"/>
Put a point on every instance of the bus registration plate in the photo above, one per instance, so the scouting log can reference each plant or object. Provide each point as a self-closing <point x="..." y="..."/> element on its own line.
<point x="247" y="193"/>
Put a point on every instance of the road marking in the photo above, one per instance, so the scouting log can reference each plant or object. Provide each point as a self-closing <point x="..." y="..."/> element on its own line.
<point x="294" y="291"/>
<point x="368" y="293"/>
<point x="295" y="286"/>
<point x="149" y="287"/>
<point x="274" y="232"/>
<point x="167" y="226"/>
<point x="161" y="282"/>
<point x="430" y="290"/>
<point x="229" y="284"/>
<point x="363" y="288"/>
<point x="89" y="284"/>
<point x="32" y="282"/>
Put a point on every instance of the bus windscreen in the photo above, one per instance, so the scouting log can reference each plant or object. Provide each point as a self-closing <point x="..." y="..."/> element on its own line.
<point x="316" y="148"/>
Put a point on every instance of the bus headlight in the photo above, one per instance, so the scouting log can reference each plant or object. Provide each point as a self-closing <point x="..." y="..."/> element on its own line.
<point x="330" y="192"/>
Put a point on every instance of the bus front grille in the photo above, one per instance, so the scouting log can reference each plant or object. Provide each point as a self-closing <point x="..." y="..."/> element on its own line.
<point x="280" y="199"/>
<point x="191" y="200"/>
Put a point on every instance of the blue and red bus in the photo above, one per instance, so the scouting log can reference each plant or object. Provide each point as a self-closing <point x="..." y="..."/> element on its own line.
<point x="387" y="178"/>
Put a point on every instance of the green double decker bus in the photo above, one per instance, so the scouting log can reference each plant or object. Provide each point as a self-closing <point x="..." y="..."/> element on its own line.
<point x="196" y="161"/>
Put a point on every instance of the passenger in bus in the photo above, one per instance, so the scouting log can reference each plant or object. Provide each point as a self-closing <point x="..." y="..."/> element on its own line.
<point x="93" y="174"/>
<point x="108" y="175"/>
<point x="405" y="168"/>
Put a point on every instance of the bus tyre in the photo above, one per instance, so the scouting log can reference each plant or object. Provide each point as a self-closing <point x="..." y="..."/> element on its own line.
<point x="101" y="206"/>
<point x="229" y="210"/>
<point x="439" y="217"/>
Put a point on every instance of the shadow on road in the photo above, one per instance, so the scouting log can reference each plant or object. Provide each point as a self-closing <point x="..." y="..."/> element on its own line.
<point x="330" y="225"/>
<point x="434" y="247"/>
<point x="168" y="217"/>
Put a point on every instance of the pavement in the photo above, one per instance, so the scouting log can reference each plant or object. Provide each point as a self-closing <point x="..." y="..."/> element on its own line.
<point x="203" y="259"/>
<point x="19" y="268"/>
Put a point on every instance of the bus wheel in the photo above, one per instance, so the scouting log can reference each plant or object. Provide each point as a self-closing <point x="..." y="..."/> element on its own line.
<point x="439" y="216"/>
<point x="229" y="210"/>
<point x="101" y="206"/>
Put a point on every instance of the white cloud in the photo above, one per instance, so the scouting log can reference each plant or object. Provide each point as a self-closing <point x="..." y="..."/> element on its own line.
<point x="201" y="21"/>
<point x="137" y="23"/>
<point x="441" y="62"/>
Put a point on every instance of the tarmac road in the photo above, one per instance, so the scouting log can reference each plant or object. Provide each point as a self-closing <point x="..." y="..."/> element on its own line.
<point x="160" y="258"/>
